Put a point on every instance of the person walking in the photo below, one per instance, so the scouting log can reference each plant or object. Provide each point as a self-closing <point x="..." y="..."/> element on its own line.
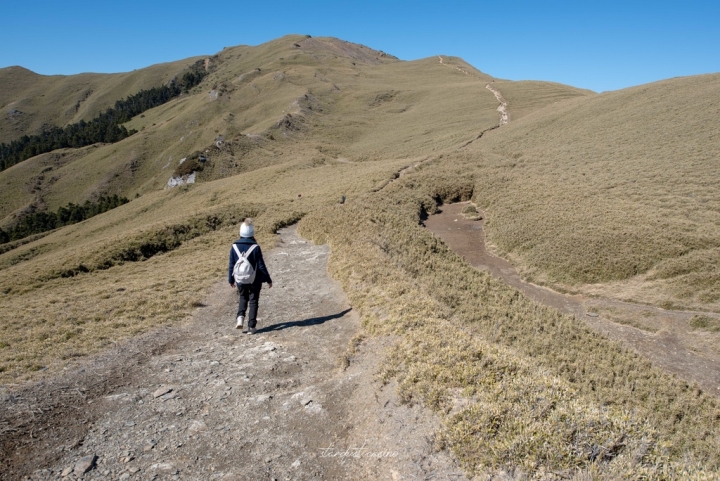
<point x="250" y="292"/>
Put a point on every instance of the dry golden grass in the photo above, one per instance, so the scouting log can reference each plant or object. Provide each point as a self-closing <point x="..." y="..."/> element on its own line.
<point x="610" y="188"/>
<point x="527" y="96"/>
<point x="619" y="316"/>
<point x="353" y="107"/>
<point x="28" y="181"/>
<point x="705" y="323"/>
<point x="470" y="212"/>
<point x="517" y="384"/>
<point x="145" y="264"/>
<point x="63" y="99"/>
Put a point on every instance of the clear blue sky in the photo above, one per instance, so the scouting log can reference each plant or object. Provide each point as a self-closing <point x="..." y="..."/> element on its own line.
<point x="600" y="45"/>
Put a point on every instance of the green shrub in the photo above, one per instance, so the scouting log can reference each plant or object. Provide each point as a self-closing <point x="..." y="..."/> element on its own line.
<point x="705" y="323"/>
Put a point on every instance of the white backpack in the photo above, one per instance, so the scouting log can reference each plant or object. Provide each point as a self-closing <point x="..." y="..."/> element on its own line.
<point x="243" y="272"/>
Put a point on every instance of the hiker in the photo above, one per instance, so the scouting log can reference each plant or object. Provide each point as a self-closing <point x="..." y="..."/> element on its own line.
<point x="250" y="291"/>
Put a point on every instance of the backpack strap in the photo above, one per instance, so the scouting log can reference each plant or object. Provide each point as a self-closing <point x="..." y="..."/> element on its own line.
<point x="247" y="252"/>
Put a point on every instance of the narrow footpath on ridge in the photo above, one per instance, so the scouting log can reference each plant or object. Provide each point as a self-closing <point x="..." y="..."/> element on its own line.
<point x="456" y="68"/>
<point x="503" y="107"/>
<point x="204" y="401"/>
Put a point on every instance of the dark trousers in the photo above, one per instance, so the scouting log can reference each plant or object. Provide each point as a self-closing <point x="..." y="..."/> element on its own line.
<point x="249" y="296"/>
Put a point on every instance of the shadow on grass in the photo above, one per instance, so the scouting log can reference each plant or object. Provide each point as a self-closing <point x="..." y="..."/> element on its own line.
<point x="313" y="321"/>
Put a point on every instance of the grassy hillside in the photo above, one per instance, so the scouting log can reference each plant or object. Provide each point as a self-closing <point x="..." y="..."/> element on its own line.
<point x="527" y="96"/>
<point x="293" y="98"/>
<point x="519" y="386"/>
<point x="618" y="188"/>
<point x="29" y="100"/>
<point x="161" y="251"/>
<point x="481" y="355"/>
<point x="305" y="121"/>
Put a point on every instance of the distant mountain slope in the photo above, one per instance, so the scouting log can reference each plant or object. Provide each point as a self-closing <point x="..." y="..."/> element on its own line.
<point x="28" y="101"/>
<point x="615" y="187"/>
<point x="296" y="98"/>
<point x="358" y="147"/>
<point x="527" y="96"/>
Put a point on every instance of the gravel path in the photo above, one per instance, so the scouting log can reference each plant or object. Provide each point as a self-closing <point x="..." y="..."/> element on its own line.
<point x="205" y="401"/>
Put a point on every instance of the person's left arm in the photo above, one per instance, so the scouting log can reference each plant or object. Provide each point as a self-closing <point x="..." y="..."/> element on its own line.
<point x="262" y="267"/>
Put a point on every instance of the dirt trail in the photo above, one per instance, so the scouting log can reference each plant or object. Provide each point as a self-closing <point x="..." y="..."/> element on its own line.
<point x="411" y="168"/>
<point x="503" y="107"/>
<point x="662" y="336"/>
<point x="502" y="110"/>
<point x="456" y="68"/>
<point x="204" y="401"/>
<point x="402" y="172"/>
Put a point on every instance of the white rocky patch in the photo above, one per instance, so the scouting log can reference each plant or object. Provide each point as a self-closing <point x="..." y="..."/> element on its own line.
<point x="186" y="179"/>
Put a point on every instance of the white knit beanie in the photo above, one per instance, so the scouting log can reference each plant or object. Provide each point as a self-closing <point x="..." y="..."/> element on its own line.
<point x="247" y="229"/>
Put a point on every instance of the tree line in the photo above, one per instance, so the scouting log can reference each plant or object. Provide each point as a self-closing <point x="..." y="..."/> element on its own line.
<point x="71" y="214"/>
<point x="106" y="127"/>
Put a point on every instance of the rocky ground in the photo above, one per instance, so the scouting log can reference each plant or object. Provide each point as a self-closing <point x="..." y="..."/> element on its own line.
<point x="204" y="401"/>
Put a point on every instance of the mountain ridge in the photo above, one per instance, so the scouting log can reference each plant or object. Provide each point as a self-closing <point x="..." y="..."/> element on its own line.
<point x="587" y="193"/>
<point x="254" y="93"/>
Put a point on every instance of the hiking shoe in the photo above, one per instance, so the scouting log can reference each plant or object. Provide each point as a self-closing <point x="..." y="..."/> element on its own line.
<point x="240" y="322"/>
<point x="252" y="330"/>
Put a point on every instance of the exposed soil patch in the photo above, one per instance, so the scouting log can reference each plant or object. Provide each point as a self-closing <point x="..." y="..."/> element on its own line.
<point x="204" y="401"/>
<point x="663" y="336"/>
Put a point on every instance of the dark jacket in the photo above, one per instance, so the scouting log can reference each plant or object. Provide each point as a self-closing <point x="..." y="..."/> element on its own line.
<point x="256" y="260"/>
